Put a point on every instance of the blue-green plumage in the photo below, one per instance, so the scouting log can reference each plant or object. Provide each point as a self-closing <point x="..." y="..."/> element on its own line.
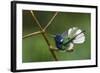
<point x="74" y="35"/>
<point x="60" y="42"/>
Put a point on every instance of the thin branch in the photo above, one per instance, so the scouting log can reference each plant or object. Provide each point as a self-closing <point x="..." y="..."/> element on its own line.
<point x="36" y="20"/>
<point x="53" y="48"/>
<point x="31" y="34"/>
<point x="50" y="21"/>
<point x="44" y="35"/>
<point x="38" y="32"/>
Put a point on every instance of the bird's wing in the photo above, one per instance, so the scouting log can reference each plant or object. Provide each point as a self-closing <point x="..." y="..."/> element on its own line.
<point x="71" y="34"/>
<point x="79" y="38"/>
<point x="72" y="31"/>
<point x="71" y="45"/>
<point x="64" y="34"/>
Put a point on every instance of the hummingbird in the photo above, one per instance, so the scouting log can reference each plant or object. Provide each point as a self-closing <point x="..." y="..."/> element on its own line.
<point x="67" y="39"/>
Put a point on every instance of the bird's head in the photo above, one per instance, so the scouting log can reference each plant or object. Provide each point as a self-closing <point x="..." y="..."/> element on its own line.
<point x="59" y="38"/>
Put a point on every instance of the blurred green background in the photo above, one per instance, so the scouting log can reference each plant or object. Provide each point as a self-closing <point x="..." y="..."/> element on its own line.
<point x="35" y="49"/>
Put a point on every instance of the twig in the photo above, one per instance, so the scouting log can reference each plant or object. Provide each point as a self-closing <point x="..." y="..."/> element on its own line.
<point x="50" y="21"/>
<point x="43" y="33"/>
<point x="38" y="32"/>
<point x="31" y="34"/>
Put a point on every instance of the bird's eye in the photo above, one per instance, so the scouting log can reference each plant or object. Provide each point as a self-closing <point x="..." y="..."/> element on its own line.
<point x="61" y="40"/>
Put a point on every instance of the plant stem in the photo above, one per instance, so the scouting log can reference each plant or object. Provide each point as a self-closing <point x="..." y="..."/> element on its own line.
<point x="50" y="21"/>
<point x="31" y="34"/>
<point x="44" y="35"/>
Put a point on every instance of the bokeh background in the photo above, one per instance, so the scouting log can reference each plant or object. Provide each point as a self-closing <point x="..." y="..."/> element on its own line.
<point x="35" y="49"/>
